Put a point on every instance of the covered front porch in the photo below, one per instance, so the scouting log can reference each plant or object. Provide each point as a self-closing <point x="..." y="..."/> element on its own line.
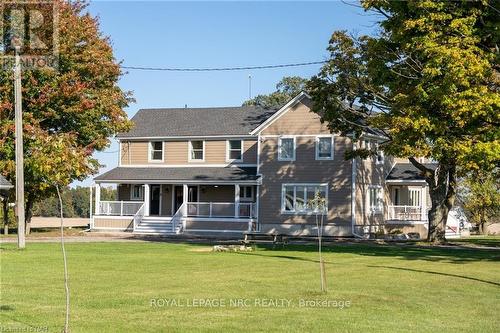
<point x="175" y="206"/>
<point x="407" y="203"/>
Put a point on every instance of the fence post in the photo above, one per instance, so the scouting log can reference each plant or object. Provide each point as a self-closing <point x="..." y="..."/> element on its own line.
<point x="121" y="208"/>
<point x="210" y="210"/>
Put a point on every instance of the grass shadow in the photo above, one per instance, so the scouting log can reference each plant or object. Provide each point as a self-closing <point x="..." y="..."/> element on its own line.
<point x="437" y="273"/>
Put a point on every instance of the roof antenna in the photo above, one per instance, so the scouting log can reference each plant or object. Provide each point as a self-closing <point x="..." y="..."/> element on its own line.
<point x="249" y="86"/>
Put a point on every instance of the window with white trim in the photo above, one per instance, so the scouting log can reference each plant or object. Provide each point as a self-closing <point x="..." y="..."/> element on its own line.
<point x="196" y="150"/>
<point x="375" y="199"/>
<point x="156" y="151"/>
<point x="234" y="150"/>
<point x="304" y="198"/>
<point x="379" y="157"/>
<point x="414" y="196"/>
<point x="246" y="193"/>
<point x="286" y="149"/>
<point x="137" y="192"/>
<point x="324" y="148"/>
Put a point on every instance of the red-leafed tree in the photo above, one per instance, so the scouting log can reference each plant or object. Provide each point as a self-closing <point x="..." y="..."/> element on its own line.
<point x="69" y="112"/>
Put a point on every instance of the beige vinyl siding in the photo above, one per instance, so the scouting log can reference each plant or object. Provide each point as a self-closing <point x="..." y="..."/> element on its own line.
<point x="215" y="225"/>
<point x="369" y="174"/>
<point x="305" y="169"/>
<point x="134" y="152"/>
<point x="177" y="152"/>
<point x="120" y="223"/>
<point x="299" y="120"/>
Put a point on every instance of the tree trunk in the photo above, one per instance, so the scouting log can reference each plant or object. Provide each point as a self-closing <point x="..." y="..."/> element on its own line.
<point x="5" y="208"/>
<point x="28" y="215"/>
<point x="438" y="215"/>
<point x="442" y="190"/>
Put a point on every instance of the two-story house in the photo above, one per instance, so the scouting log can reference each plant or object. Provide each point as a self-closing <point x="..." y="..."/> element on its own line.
<point x="236" y="169"/>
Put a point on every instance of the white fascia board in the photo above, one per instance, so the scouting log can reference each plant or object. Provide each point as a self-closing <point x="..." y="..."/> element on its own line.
<point x="186" y="137"/>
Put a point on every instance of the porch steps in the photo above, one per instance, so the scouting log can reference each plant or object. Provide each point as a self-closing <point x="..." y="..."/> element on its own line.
<point x="155" y="226"/>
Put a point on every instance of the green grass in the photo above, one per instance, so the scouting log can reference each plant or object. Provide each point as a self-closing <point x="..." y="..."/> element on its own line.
<point x="492" y="241"/>
<point x="391" y="289"/>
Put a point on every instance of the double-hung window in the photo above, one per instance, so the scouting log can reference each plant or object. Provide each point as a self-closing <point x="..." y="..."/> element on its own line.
<point x="324" y="148"/>
<point x="246" y="193"/>
<point x="197" y="151"/>
<point x="379" y="158"/>
<point x="286" y="149"/>
<point x="375" y="199"/>
<point x="234" y="151"/>
<point x="156" y="151"/>
<point x="304" y="198"/>
<point x="137" y="192"/>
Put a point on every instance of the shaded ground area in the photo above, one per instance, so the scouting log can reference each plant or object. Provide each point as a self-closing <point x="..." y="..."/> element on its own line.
<point x="390" y="288"/>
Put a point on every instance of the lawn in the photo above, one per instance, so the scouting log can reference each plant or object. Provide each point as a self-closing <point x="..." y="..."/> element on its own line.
<point x="390" y="289"/>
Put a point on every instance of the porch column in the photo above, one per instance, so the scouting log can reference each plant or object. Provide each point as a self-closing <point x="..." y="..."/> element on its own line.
<point x="423" y="208"/>
<point x="185" y="197"/>
<point x="97" y="199"/>
<point x="236" y="200"/>
<point x="146" y="200"/>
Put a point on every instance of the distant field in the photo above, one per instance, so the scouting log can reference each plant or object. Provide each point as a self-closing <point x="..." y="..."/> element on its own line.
<point x="54" y="222"/>
<point x="390" y="289"/>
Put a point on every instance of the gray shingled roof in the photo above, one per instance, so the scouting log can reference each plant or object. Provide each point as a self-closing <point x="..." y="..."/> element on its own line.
<point x="179" y="174"/>
<point x="407" y="171"/>
<point x="4" y="183"/>
<point x="197" y="121"/>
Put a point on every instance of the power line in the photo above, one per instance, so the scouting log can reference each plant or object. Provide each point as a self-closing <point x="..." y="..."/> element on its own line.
<point x="220" y="69"/>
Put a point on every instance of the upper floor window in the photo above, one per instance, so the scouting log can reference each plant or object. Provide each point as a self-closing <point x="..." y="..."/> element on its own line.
<point x="234" y="151"/>
<point x="286" y="149"/>
<point x="197" y="150"/>
<point x="324" y="148"/>
<point x="304" y="198"/>
<point x="375" y="199"/>
<point x="156" y="151"/>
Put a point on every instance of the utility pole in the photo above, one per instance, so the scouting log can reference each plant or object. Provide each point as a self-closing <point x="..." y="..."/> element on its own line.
<point x="21" y="241"/>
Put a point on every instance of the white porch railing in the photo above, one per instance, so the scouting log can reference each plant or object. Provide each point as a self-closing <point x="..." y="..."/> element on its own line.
<point x="221" y="209"/>
<point x="119" y="208"/>
<point x="138" y="216"/>
<point x="177" y="221"/>
<point x="407" y="213"/>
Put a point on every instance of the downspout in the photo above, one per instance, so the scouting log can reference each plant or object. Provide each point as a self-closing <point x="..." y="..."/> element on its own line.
<point x="353" y="194"/>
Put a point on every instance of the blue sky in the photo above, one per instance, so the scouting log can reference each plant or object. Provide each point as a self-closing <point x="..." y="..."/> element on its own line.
<point x="216" y="34"/>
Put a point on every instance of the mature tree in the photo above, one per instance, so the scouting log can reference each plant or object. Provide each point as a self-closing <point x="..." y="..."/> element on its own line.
<point x="480" y="196"/>
<point x="76" y="202"/>
<point x="429" y="79"/>
<point x="286" y="89"/>
<point x="69" y="112"/>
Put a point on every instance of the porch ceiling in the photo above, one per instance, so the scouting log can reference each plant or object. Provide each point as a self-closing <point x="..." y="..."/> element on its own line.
<point x="198" y="175"/>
